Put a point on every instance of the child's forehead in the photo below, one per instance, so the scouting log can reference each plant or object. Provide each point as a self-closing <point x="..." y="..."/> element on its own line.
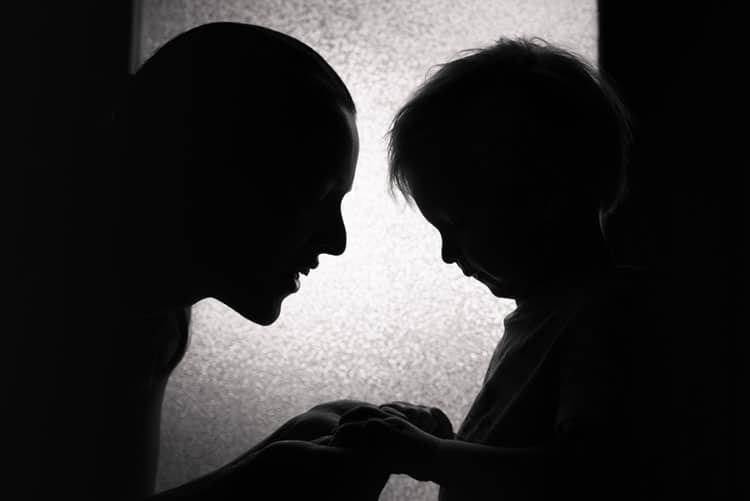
<point x="467" y="175"/>
<point x="447" y="195"/>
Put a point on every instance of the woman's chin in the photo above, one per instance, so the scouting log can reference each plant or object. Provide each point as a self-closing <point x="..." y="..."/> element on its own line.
<point x="265" y="317"/>
<point x="262" y="309"/>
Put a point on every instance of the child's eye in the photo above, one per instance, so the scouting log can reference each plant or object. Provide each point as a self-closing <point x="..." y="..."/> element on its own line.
<point x="455" y="220"/>
<point x="455" y="225"/>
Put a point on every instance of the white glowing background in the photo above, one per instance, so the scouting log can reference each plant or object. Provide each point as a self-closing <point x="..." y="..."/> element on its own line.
<point x="387" y="320"/>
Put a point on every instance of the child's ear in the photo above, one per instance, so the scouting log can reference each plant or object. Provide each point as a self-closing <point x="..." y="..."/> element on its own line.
<point x="560" y="208"/>
<point x="553" y="205"/>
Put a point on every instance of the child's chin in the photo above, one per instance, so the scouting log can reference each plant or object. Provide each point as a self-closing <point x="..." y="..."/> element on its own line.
<point x="502" y="290"/>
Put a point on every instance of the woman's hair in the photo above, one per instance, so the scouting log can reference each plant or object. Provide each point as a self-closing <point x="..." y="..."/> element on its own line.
<point x="237" y="58"/>
<point x="224" y="89"/>
<point x="206" y="81"/>
<point x="520" y="107"/>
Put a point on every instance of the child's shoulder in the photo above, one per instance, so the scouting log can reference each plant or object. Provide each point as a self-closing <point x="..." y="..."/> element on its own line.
<point x="615" y="306"/>
<point x="623" y="283"/>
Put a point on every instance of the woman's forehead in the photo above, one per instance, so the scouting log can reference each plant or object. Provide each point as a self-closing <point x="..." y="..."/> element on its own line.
<point x="329" y="162"/>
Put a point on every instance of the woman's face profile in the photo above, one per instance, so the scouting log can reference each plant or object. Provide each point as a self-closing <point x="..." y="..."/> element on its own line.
<point x="275" y="229"/>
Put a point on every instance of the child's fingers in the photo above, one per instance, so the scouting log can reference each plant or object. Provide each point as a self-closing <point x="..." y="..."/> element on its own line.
<point x="415" y="415"/>
<point x="402" y="407"/>
<point x="324" y="440"/>
<point x="362" y="413"/>
<point x="370" y="433"/>
<point x="352" y="435"/>
<point x="410" y="411"/>
<point x="443" y="425"/>
<point x="429" y="419"/>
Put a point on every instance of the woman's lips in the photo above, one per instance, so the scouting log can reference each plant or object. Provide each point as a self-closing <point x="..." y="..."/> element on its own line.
<point x="304" y="270"/>
<point x="290" y="280"/>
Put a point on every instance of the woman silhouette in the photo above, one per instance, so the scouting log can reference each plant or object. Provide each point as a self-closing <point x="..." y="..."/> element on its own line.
<point x="236" y="145"/>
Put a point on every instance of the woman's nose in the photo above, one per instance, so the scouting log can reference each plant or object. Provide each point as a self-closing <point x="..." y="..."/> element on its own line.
<point x="334" y="236"/>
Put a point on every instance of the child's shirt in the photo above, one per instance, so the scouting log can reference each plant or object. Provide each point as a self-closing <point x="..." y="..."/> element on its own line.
<point x="558" y="370"/>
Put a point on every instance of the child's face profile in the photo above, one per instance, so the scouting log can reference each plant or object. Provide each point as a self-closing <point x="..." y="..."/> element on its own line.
<point x="490" y="232"/>
<point x="278" y="233"/>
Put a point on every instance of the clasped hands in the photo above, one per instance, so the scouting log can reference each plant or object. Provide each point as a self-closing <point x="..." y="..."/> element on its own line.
<point x="343" y="450"/>
<point x="402" y="438"/>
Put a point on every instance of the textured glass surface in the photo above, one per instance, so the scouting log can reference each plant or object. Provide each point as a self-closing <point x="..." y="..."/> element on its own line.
<point x="387" y="320"/>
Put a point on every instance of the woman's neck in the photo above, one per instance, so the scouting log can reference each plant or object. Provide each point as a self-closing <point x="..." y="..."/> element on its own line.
<point x="155" y="276"/>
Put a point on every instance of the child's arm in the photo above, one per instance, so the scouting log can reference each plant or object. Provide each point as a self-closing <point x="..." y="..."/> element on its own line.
<point x="467" y="466"/>
<point x="583" y="465"/>
<point x="477" y="470"/>
<point x="404" y="448"/>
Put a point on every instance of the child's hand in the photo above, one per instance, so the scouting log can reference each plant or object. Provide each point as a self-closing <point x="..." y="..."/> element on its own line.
<point x="402" y="446"/>
<point x="429" y="419"/>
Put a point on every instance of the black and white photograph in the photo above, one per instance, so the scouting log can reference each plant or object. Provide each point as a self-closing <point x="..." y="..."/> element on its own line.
<point x="361" y="250"/>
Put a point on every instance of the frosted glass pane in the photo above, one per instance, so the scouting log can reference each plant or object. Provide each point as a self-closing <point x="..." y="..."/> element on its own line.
<point x="387" y="320"/>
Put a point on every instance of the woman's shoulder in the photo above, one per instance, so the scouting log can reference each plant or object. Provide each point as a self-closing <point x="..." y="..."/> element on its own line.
<point x="152" y="346"/>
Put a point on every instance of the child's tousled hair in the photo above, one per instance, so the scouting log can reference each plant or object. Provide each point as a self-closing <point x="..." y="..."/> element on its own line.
<point x="567" y="126"/>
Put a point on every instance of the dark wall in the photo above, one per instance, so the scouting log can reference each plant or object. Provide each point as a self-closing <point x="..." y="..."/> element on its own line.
<point x="71" y="57"/>
<point x="678" y="66"/>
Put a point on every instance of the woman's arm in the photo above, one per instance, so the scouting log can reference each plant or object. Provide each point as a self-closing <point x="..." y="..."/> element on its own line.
<point x="288" y="471"/>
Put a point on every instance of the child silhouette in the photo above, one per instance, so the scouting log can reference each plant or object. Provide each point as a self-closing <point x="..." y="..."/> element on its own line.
<point x="516" y="154"/>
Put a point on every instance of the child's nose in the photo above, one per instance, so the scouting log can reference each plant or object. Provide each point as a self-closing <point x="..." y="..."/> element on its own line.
<point x="448" y="251"/>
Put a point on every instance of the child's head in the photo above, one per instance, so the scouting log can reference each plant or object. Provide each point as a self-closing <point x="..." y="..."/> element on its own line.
<point x="508" y="150"/>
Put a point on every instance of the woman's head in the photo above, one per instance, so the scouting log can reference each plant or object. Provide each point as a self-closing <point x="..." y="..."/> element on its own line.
<point x="254" y="134"/>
